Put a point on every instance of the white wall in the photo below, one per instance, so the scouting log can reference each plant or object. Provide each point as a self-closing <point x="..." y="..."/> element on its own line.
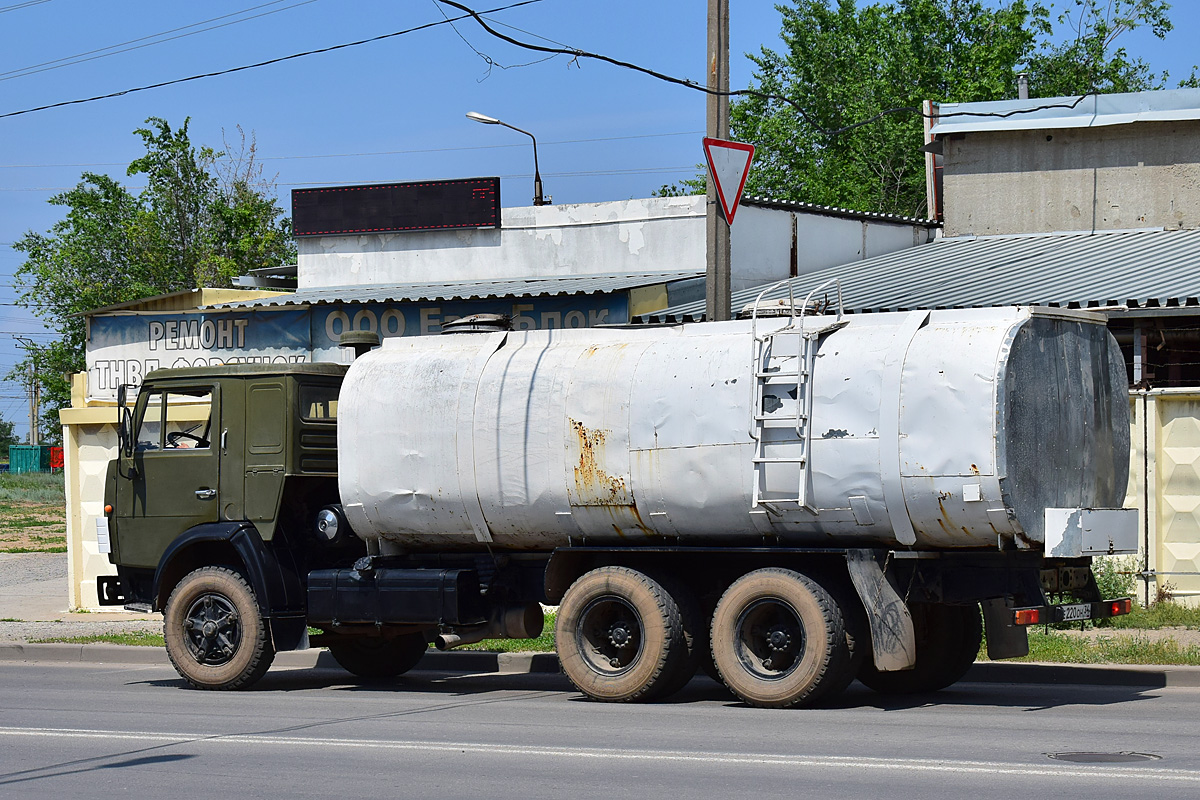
<point x="658" y="234"/>
<point x="651" y="235"/>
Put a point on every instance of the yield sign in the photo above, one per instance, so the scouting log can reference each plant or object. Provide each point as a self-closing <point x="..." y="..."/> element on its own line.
<point x="728" y="164"/>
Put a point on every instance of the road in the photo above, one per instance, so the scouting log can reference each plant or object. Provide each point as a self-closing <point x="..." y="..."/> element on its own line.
<point x="96" y="730"/>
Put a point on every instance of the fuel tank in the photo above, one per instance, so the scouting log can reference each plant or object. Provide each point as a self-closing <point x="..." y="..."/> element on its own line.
<point x="925" y="430"/>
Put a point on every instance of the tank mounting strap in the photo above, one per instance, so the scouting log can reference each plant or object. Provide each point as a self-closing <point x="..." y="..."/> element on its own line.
<point x="889" y="427"/>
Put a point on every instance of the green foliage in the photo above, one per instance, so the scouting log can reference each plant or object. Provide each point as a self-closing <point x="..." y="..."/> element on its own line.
<point x="845" y="63"/>
<point x="204" y="217"/>
<point x="1115" y="575"/>
<point x="1089" y="59"/>
<point x="7" y="438"/>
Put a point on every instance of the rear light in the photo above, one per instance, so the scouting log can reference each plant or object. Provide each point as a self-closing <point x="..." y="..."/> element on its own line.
<point x="1027" y="616"/>
<point x="1119" y="607"/>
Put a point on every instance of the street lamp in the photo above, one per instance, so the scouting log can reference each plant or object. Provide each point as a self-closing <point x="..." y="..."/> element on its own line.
<point x="538" y="200"/>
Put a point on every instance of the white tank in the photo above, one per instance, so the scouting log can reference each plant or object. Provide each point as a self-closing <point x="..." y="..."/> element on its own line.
<point x="942" y="429"/>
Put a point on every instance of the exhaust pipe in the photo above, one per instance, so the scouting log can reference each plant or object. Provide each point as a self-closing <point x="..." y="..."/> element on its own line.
<point x="514" y="622"/>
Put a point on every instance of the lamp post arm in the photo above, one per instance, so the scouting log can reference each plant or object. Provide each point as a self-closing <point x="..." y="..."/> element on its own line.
<point x="537" y="177"/>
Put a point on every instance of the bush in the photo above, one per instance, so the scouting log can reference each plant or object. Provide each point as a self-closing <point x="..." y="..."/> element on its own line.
<point x="1115" y="575"/>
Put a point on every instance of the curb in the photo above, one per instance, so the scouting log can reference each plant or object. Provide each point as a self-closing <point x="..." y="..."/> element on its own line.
<point x="464" y="661"/>
<point x="474" y="662"/>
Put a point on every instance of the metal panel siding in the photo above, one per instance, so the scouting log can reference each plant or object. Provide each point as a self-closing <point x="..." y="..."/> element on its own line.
<point x="1050" y="269"/>
<point x="470" y="290"/>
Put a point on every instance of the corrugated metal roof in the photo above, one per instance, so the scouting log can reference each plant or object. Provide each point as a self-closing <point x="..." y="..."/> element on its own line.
<point x="834" y="211"/>
<point x="469" y="290"/>
<point x="1089" y="111"/>
<point x="1078" y="270"/>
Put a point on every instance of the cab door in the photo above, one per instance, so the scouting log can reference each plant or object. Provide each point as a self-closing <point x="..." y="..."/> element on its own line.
<point x="176" y="470"/>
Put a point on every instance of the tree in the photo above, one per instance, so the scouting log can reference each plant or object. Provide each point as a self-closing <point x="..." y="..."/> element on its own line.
<point x="7" y="438"/>
<point x="844" y="64"/>
<point x="204" y="217"/>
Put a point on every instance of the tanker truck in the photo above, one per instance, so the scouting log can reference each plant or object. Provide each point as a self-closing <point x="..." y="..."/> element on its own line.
<point x="787" y="502"/>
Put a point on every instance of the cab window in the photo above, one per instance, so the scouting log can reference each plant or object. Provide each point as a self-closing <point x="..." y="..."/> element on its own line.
<point x="318" y="403"/>
<point x="178" y="419"/>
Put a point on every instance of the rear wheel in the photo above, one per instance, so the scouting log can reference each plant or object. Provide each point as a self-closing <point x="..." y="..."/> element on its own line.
<point x="216" y="637"/>
<point x="948" y="639"/>
<point x="620" y="636"/>
<point x="377" y="657"/>
<point x="778" y="639"/>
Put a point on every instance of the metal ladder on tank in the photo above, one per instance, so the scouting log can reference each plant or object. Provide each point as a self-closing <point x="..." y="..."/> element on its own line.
<point x="769" y="350"/>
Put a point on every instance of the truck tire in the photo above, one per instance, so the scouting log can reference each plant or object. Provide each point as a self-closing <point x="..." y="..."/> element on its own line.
<point x="377" y="657"/>
<point x="778" y="639"/>
<point x="695" y="627"/>
<point x="948" y="639"/>
<point x="216" y="638"/>
<point x="620" y="636"/>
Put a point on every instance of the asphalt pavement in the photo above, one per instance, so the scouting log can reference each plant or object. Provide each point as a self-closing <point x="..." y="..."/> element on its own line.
<point x="94" y="730"/>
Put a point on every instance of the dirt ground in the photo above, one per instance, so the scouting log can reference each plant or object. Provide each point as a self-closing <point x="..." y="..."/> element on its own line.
<point x="32" y="528"/>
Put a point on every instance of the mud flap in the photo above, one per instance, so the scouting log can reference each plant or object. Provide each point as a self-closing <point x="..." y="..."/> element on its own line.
<point x="1004" y="639"/>
<point x="893" y="639"/>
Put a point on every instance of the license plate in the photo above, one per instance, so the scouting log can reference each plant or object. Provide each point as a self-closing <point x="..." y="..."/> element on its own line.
<point x="1076" y="612"/>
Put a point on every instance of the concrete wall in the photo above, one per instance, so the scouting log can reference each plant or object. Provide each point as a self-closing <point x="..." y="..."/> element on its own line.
<point x="656" y="234"/>
<point x="652" y="235"/>
<point x="1139" y="175"/>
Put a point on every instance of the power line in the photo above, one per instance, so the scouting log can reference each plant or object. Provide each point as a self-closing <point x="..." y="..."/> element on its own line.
<point x="79" y="58"/>
<point x="690" y="84"/>
<point x="389" y="152"/>
<point x="583" y="173"/>
<point x="19" y="6"/>
<point x="268" y="62"/>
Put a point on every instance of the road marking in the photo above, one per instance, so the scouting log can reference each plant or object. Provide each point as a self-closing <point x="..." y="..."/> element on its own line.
<point x="1148" y="772"/>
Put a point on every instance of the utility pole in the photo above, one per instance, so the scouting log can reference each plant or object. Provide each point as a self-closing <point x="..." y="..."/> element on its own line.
<point x="34" y="389"/>
<point x="717" y="289"/>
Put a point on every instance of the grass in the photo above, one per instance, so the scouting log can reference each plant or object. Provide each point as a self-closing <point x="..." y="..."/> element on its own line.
<point x="41" y="488"/>
<point x="1062" y="648"/>
<point x="542" y="644"/>
<point x="135" y="638"/>
<point x="32" y="513"/>
<point x="1158" y="616"/>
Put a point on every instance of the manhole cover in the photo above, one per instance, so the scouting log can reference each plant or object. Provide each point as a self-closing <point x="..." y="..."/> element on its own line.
<point x="1104" y="758"/>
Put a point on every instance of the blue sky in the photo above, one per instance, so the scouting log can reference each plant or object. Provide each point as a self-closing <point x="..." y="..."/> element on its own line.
<point x="391" y="110"/>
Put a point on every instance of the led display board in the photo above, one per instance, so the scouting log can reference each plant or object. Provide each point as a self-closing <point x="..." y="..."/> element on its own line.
<point x="397" y="207"/>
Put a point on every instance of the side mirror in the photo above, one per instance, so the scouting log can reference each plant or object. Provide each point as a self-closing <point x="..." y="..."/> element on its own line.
<point x="124" y="433"/>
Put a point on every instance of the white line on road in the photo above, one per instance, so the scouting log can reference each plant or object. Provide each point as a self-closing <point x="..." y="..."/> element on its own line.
<point x="1148" y="772"/>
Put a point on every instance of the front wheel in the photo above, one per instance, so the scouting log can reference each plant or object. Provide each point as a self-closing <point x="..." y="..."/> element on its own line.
<point x="216" y="638"/>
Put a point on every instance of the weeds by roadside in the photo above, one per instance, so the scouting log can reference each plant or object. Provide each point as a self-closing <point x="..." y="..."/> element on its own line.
<point x="135" y="638"/>
<point x="32" y="513"/>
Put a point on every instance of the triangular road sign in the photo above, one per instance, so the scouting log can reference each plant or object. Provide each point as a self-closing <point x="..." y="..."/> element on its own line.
<point x="728" y="164"/>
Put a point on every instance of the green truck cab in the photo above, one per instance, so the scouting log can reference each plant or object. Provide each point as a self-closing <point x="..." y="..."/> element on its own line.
<point x="211" y="502"/>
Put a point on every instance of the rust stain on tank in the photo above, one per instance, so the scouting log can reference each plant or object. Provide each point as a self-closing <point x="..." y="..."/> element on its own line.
<point x="594" y="486"/>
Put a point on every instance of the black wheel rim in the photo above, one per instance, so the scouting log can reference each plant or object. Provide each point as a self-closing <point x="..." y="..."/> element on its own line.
<point x="610" y="636"/>
<point x="769" y="639"/>
<point x="212" y="630"/>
